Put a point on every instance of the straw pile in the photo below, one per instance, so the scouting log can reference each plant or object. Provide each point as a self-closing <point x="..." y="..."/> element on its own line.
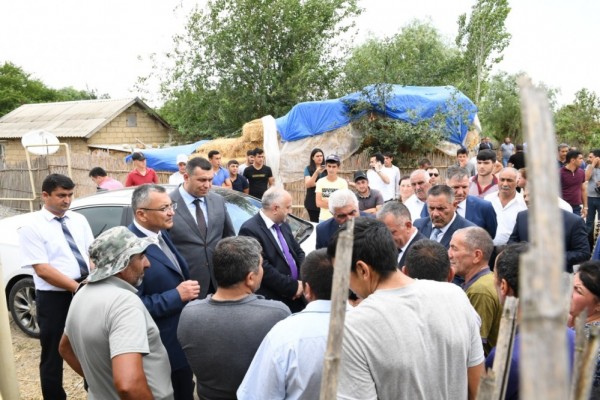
<point x="252" y="137"/>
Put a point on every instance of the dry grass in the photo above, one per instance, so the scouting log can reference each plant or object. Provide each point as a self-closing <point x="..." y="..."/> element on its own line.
<point x="27" y="359"/>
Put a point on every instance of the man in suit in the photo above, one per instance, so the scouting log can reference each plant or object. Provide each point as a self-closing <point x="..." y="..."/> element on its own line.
<point x="478" y="211"/>
<point x="166" y="286"/>
<point x="577" y="247"/>
<point x="443" y="219"/>
<point x="200" y="222"/>
<point x="343" y="205"/>
<point x="282" y="255"/>
<point x="396" y="217"/>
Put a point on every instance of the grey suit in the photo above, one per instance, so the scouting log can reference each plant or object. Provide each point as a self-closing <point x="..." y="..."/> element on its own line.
<point x="197" y="251"/>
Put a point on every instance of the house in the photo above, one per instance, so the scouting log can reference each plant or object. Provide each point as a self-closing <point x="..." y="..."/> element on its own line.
<point x="85" y="125"/>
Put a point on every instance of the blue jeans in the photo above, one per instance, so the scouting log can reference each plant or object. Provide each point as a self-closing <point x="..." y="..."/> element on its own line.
<point x="593" y="209"/>
<point x="505" y="161"/>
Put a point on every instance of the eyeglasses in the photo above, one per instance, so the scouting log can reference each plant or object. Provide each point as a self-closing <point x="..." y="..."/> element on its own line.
<point x="433" y="174"/>
<point x="342" y="216"/>
<point x="170" y="207"/>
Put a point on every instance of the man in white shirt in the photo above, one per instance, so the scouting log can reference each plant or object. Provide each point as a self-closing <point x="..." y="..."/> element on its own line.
<point x="177" y="177"/>
<point x="393" y="172"/>
<point x="289" y="362"/>
<point x="419" y="180"/>
<point x="380" y="178"/>
<point x="507" y="204"/>
<point x="55" y="243"/>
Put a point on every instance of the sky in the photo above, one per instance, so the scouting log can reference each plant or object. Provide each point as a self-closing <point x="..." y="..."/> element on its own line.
<point x="105" y="45"/>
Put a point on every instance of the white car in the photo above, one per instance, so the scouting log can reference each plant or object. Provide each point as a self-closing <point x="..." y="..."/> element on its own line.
<point x="104" y="211"/>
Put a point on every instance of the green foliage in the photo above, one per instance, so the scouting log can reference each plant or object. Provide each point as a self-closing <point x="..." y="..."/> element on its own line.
<point x="500" y="108"/>
<point x="242" y="59"/>
<point x="411" y="139"/>
<point x="481" y="39"/>
<point x="18" y="88"/>
<point x="417" y="56"/>
<point x="579" y="123"/>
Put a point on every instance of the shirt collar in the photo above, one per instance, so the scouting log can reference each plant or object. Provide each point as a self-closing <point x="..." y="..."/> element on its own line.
<point x="149" y="233"/>
<point x="445" y="228"/>
<point x="48" y="216"/>
<point x="409" y="240"/>
<point x="268" y="222"/>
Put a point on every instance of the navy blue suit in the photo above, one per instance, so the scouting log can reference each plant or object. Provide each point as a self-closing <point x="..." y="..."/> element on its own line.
<point x="326" y="229"/>
<point x="277" y="282"/>
<point x="425" y="227"/>
<point x="577" y="246"/>
<point x="161" y="298"/>
<point x="478" y="211"/>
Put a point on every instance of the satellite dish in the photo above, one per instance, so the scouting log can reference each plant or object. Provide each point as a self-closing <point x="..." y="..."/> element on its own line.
<point x="40" y="137"/>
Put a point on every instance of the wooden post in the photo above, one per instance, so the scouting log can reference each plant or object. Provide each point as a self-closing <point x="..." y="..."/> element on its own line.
<point x="9" y="389"/>
<point x="543" y="362"/>
<point x="586" y="374"/>
<point x="339" y="301"/>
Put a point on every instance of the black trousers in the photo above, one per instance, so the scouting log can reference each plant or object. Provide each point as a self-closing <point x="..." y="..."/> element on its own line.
<point x="52" y="309"/>
<point x="183" y="383"/>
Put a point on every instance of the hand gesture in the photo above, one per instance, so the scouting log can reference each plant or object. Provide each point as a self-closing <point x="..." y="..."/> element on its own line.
<point x="188" y="290"/>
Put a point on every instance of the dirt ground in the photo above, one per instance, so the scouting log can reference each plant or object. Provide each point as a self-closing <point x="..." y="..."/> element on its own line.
<point x="27" y="358"/>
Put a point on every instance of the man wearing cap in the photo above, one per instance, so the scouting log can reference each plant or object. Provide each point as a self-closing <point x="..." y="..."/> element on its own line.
<point x="55" y="243"/>
<point x="326" y="186"/>
<point x="141" y="173"/>
<point x="177" y="177"/>
<point x="109" y="337"/>
<point x="166" y="287"/>
<point x="369" y="200"/>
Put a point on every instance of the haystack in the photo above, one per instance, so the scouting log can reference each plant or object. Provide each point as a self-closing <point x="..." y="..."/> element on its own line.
<point x="235" y="148"/>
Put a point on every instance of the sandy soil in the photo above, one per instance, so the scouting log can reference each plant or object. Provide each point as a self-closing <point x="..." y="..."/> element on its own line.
<point x="27" y="357"/>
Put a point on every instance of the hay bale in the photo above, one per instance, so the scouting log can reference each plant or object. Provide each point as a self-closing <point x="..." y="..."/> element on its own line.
<point x="253" y="131"/>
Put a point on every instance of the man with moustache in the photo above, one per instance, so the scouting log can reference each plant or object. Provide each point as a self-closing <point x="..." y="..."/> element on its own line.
<point x="166" y="287"/>
<point x="109" y="337"/>
<point x="419" y="180"/>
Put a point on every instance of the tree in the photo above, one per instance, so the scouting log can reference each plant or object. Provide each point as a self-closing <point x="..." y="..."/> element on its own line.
<point x="17" y="87"/>
<point x="579" y="123"/>
<point x="417" y="56"/>
<point x="242" y="59"/>
<point x="482" y="39"/>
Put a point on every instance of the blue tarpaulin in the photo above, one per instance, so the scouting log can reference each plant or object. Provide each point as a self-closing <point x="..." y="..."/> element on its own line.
<point x="407" y="103"/>
<point x="164" y="159"/>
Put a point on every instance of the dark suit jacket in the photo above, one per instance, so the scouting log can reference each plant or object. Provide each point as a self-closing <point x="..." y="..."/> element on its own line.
<point x="326" y="229"/>
<point x="186" y="236"/>
<point x="159" y="294"/>
<point x="277" y="283"/>
<point x="577" y="246"/>
<point x="424" y="226"/>
<point x="478" y="211"/>
<point x="418" y="237"/>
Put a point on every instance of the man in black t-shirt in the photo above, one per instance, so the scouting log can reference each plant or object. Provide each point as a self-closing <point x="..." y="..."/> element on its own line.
<point x="517" y="160"/>
<point x="259" y="175"/>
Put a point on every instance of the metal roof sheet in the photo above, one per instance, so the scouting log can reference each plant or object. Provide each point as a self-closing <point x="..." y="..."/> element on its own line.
<point x="70" y="119"/>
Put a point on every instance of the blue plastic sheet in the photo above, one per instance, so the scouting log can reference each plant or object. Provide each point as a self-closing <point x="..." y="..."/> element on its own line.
<point x="164" y="159"/>
<point x="407" y="103"/>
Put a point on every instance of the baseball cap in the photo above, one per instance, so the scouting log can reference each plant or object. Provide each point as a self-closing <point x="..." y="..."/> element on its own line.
<point x="360" y="175"/>
<point x="333" y="158"/>
<point x="111" y="251"/>
<point x="138" y="156"/>
<point x="182" y="158"/>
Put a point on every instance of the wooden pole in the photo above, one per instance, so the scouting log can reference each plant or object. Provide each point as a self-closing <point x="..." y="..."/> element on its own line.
<point x="339" y="301"/>
<point x="9" y="389"/>
<point x="583" y="387"/>
<point x="543" y="362"/>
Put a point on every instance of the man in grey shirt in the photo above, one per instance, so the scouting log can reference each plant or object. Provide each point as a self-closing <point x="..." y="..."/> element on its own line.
<point x="220" y="334"/>
<point x="110" y="338"/>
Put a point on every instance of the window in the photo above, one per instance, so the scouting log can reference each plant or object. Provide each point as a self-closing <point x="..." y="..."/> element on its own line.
<point x="131" y="120"/>
<point x="102" y="218"/>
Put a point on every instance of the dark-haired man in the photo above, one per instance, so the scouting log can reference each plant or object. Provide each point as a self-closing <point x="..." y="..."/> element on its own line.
<point x="428" y="259"/>
<point x="517" y="160"/>
<point x="572" y="183"/>
<point x="260" y="176"/>
<point x="380" y="178"/>
<point x="369" y="200"/>
<point x="462" y="161"/>
<point x="236" y="181"/>
<point x="289" y="362"/>
<point x="379" y="353"/>
<point x="485" y="182"/>
<point x="141" y="173"/>
<point x="221" y="333"/>
<point x="200" y="222"/>
<point x="249" y="161"/>
<point x="55" y="243"/>
<point x="328" y="185"/>
<point x="103" y="181"/>
<point x="221" y="174"/>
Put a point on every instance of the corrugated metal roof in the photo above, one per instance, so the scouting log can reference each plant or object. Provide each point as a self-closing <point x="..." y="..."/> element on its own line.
<point x="75" y="119"/>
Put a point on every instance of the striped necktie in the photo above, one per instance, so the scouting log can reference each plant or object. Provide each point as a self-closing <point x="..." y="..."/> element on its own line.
<point x="83" y="268"/>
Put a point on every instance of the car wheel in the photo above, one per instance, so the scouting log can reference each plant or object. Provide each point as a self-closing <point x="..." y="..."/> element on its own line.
<point x="21" y="301"/>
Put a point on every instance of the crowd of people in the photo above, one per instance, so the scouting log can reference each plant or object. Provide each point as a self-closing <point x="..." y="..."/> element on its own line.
<point x="177" y="302"/>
